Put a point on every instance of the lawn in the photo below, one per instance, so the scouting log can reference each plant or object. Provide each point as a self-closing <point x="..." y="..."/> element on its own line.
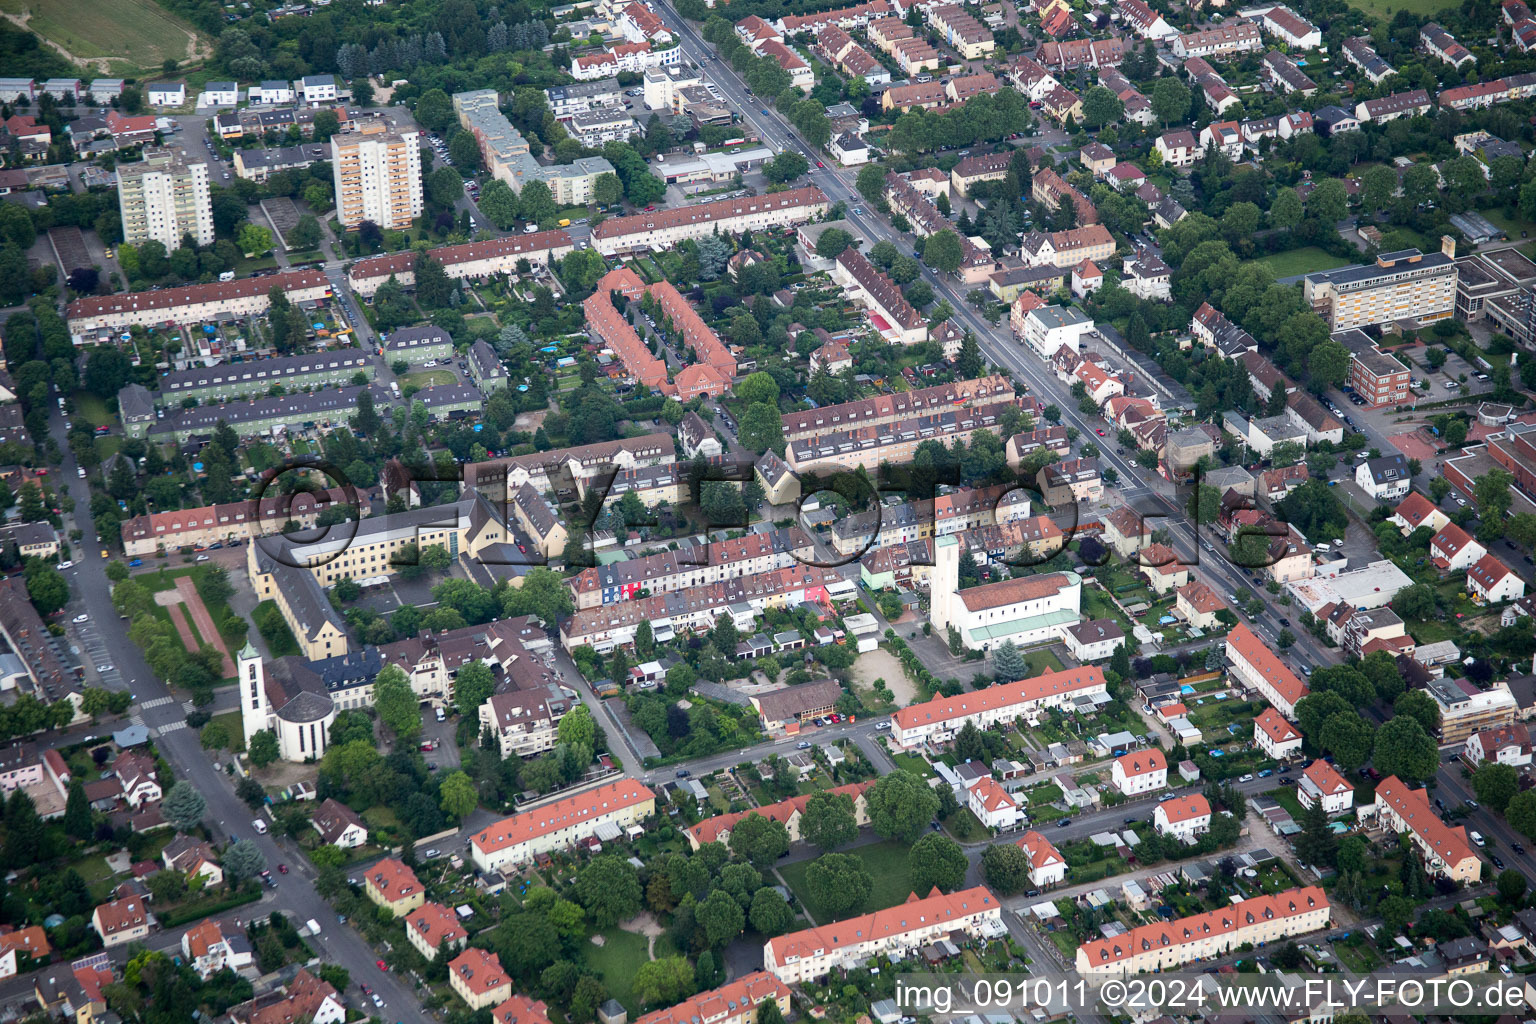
<point x="887" y="865"/>
<point x="89" y="407"/>
<point x="619" y="957"/>
<point x="427" y="379"/>
<point x="1301" y="261"/>
<point x="1511" y="225"/>
<point x="1098" y="605"/>
<point x="1042" y="660"/>
<point x="137" y="34"/>
<point x="233" y="725"/>
<point x="1385" y="9"/>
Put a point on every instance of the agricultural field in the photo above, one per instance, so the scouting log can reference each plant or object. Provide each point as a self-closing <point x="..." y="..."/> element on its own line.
<point x="123" y="37"/>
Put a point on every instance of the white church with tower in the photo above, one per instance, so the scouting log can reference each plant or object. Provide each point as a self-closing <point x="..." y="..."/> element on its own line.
<point x="1026" y="609"/>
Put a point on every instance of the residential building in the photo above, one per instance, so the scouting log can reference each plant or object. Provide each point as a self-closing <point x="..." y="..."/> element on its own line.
<point x="1047" y="867"/>
<point x="1147" y="277"/>
<point x="208" y="950"/>
<point x="583" y="97"/>
<point x="339" y="825"/>
<point x="477" y="977"/>
<point x="891" y="314"/>
<point x="1140" y="771"/>
<point x="1505" y="744"/>
<point x="1404" y="285"/>
<point x="786" y="812"/>
<point x="120" y="921"/>
<point x="1178" y="148"/>
<point x="662" y="229"/>
<point x="1383" y="109"/>
<point x="30" y="942"/>
<point x="162" y="197"/>
<point x="980" y="167"/>
<point x="1199" y="604"/>
<point x="166" y="94"/>
<point x="1166" y="945"/>
<point x="307" y="998"/>
<point x="1284" y="75"/>
<point x="814" y="952"/>
<point x="736" y="1002"/>
<point x="523" y="721"/>
<point x="392" y="885"/>
<point x="1465" y="709"/>
<point x="1378" y="378"/>
<point x="1359" y="52"/>
<point x="1071" y="482"/>
<point x="1145" y="22"/>
<point x="469" y="260"/>
<point x="431" y="927"/>
<point x="1386" y="478"/>
<point x="260" y="164"/>
<point x="1490" y="581"/>
<point x="870" y="446"/>
<point x="1415" y="511"/>
<point x="515" y="841"/>
<point x="377" y="175"/>
<point x="1322" y="783"/>
<point x="1437" y="42"/>
<point x="1224" y="40"/>
<point x="1444" y="849"/>
<point x="1453" y="549"/>
<point x="193" y="858"/>
<point x="1258" y="668"/>
<point x="595" y="127"/>
<point x="624" y="58"/>
<point x="1275" y="736"/>
<point x="1048" y="328"/>
<point x="1093" y="640"/>
<point x="937" y="721"/>
<point x="1067" y="249"/>
<point x="1296" y="32"/>
<point x="1186" y="817"/>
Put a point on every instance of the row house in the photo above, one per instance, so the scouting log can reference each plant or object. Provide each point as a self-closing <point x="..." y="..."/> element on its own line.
<point x="900" y="930"/>
<point x="609" y="626"/>
<point x="870" y="446"/>
<point x="514" y="842"/>
<point x="892" y="315"/>
<point x="466" y="261"/>
<point x="1439" y="43"/>
<point x="1144" y="21"/>
<point x="886" y="409"/>
<point x="194" y="304"/>
<point x="1359" y="52"/>
<point x="1051" y="439"/>
<point x="663" y="229"/>
<point x="1444" y="849"/>
<point x="856" y="16"/>
<point x="1290" y="28"/>
<point x="1284" y="75"/>
<point x="937" y="721"/>
<point x="1225" y="40"/>
<point x="955" y="512"/>
<point x="1414" y="103"/>
<point x="1258" y="668"/>
<point x="686" y="568"/>
<point x="1050" y="190"/>
<point x="964" y="34"/>
<point x="1072" y="54"/>
<point x="1165" y="945"/>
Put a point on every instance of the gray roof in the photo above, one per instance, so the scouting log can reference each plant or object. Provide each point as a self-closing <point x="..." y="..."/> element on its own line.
<point x="337" y="402"/>
<point x="1059" y="316"/>
<point x="274" y="370"/>
<point x="135" y="402"/>
<point x="319" y="79"/>
<point x="485" y="361"/>
<point x="286" y="156"/>
<point x="271" y="86"/>
<point x="415" y="337"/>
<point x="222" y="87"/>
<point x="167" y="87"/>
<point x="1388" y="468"/>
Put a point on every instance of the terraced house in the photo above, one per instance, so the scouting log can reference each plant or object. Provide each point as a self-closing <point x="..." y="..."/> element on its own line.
<point x="290" y="373"/>
<point x="689" y="567"/>
<point x="605" y="811"/>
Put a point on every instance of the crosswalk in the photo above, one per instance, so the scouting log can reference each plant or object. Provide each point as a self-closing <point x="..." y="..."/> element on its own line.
<point x="171" y="726"/>
<point x="157" y="702"/>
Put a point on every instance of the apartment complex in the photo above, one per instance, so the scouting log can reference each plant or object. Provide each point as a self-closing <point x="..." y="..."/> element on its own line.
<point x="1378" y="377"/>
<point x="195" y="303"/>
<point x="692" y="566"/>
<point x="887" y="409"/>
<point x="466" y="260"/>
<point x="937" y="721"/>
<point x="1168" y="944"/>
<point x="894" y="443"/>
<point x="235" y="521"/>
<point x="1444" y="848"/>
<point x="814" y="952"/>
<point x="1406" y="285"/>
<point x="163" y="197"/>
<point x="515" y="841"/>
<point x="892" y="315"/>
<point x="733" y="1003"/>
<point x="1258" y="668"/>
<point x="506" y="154"/>
<point x="663" y="229"/>
<point x="377" y="173"/>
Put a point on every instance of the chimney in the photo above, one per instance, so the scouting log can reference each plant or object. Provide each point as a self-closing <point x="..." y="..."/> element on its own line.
<point x="1448" y="246"/>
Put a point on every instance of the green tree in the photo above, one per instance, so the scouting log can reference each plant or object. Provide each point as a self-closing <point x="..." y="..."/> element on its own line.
<point x="263" y="748"/>
<point x="457" y="795"/>
<point x="473" y="687"/>
<point x="1328" y="365"/>
<point x="1101" y="107"/>
<point x="1328" y="202"/>
<point x="1418" y="705"/>
<point x="832" y="242"/>
<point x="242" y="860"/>
<point x="758" y="387"/>
<point x="769" y="914"/>
<point x="1006" y="868"/>
<point x="663" y="982"/>
<point x="943" y="252"/>
<point x="499" y="203"/>
<point x="1496" y="784"/>
<point x="1404" y="749"/>
<point x="1204" y="504"/>
<point x="721" y="917"/>
<point x="396" y="703"/>
<point x="1286" y="210"/>
<point x="537" y="203"/>
<point x="900" y="805"/>
<point x="936" y="860"/>
<point x="828" y="821"/>
<point x="1170" y="100"/>
<point x="871" y="182"/>
<point x="253" y="239"/>
<point x="839" y="883"/>
<point x="77" y="812"/>
<point x="1521" y="813"/>
<point x="609" y="889"/>
<point x="761" y="428"/>
<point x="759" y="841"/>
<point x="607" y="189"/>
<point x="183" y="806"/>
<point x="1511" y="885"/>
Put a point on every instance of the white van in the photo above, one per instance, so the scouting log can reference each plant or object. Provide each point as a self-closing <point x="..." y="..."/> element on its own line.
<point x="259" y="825"/>
<point x="440" y="716"/>
<point x="1477" y="837"/>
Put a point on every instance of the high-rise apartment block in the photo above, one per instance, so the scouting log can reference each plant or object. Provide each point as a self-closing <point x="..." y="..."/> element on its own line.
<point x="378" y="177"/>
<point x="163" y="198"/>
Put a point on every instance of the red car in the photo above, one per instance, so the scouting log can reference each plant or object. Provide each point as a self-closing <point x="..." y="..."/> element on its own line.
<point x="1100" y="431"/>
<point x="382" y="965"/>
<point x="820" y="164"/>
<point x="282" y="869"/>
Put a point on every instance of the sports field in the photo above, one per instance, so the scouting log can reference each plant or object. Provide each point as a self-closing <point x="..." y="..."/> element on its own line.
<point x="117" y="35"/>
